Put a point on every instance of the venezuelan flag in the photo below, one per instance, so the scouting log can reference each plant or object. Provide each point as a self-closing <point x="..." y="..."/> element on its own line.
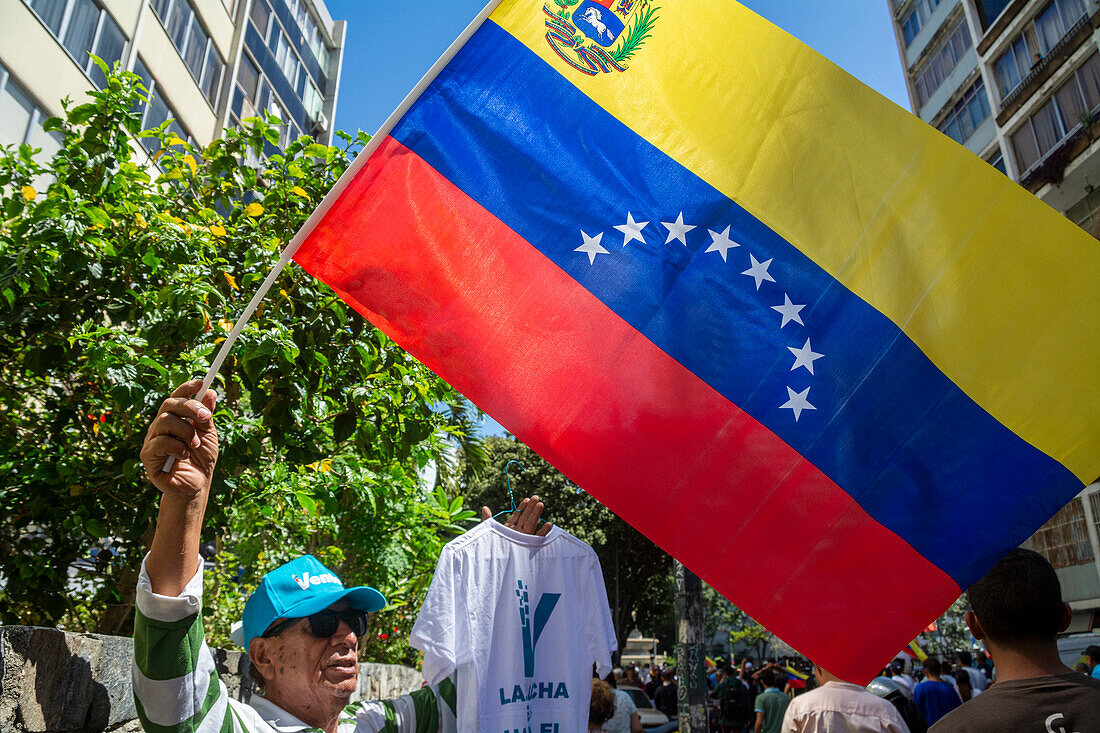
<point x="811" y="347"/>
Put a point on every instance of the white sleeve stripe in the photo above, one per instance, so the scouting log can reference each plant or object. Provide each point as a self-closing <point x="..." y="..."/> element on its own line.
<point x="212" y="723"/>
<point x="170" y="702"/>
<point x="167" y="608"/>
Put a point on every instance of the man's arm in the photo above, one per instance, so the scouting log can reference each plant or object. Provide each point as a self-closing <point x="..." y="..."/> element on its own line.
<point x="184" y="429"/>
<point x="759" y="722"/>
<point x="175" y="682"/>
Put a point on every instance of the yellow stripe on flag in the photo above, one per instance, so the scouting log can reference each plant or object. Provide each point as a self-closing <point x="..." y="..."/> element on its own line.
<point x="998" y="290"/>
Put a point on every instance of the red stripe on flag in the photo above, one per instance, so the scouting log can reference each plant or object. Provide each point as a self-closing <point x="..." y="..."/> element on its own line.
<point x="484" y="309"/>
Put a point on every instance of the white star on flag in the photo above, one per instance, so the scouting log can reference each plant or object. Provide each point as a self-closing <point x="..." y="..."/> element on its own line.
<point x="790" y="311"/>
<point x="632" y="229"/>
<point x="759" y="271"/>
<point x="804" y="357"/>
<point x="592" y="247"/>
<point x="797" y="402"/>
<point x="677" y="229"/>
<point x="721" y="243"/>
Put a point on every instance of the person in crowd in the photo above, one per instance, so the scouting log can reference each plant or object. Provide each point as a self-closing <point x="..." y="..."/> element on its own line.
<point x="1092" y="654"/>
<point x="654" y="683"/>
<point x="889" y="690"/>
<point x="753" y="684"/>
<point x="302" y="642"/>
<point x="664" y="697"/>
<point x="899" y="675"/>
<point x="836" y="706"/>
<point x="734" y="702"/>
<point x="632" y="677"/>
<point x="626" y="718"/>
<point x="645" y="674"/>
<point x="961" y="682"/>
<point x="933" y="696"/>
<point x="601" y="706"/>
<point x="770" y="705"/>
<point x="1017" y="611"/>
<point x="1082" y="667"/>
<point x="978" y="681"/>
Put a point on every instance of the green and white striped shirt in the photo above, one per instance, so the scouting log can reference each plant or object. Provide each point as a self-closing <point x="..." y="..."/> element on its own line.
<point x="177" y="690"/>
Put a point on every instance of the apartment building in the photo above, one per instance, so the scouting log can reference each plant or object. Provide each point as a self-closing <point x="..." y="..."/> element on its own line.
<point x="207" y="63"/>
<point x="1018" y="83"/>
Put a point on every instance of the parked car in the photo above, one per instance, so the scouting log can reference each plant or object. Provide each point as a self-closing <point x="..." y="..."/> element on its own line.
<point x="652" y="718"/>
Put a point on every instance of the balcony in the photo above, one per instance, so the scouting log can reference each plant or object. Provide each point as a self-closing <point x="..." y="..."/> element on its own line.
<point x="1046" y="66"/>
<point x="1051" y="167"/>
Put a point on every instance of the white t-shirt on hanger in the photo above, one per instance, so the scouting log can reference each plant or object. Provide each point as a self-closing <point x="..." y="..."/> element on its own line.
<point x="522" y="619"/>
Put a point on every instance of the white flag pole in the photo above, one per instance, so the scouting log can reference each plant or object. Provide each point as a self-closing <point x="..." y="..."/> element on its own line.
<point x="334" y="193"/>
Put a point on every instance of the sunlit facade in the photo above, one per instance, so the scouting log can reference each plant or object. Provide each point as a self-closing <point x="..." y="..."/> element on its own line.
<point x="1018" y="83"/>
<point x="207" y="63"/>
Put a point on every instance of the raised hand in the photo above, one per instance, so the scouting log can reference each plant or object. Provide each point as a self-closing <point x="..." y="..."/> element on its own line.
<point x="183" y="428"/>
<point x="525" y="518"/>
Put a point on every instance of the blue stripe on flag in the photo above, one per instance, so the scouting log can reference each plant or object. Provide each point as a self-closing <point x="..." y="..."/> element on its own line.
<point x="889" y="428"/>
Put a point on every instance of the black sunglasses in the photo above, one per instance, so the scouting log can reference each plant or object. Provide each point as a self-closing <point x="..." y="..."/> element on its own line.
<point x="324" y="624"/>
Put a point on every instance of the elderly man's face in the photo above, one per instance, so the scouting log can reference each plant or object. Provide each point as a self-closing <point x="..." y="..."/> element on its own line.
<point x="305" y="673"/>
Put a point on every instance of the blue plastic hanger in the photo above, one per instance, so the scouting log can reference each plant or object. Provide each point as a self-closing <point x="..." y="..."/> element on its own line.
<point x="508" y="476"/>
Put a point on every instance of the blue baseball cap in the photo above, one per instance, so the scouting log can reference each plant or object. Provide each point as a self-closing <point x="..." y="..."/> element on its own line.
<point x="299" y="588"/>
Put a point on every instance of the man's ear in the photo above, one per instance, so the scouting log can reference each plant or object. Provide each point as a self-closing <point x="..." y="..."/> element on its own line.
<point x="1067" y="617"/>
<point x="976" y="629"/>
<point x="259" y="654"/>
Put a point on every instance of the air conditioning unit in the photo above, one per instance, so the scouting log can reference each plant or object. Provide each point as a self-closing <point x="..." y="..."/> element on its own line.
<point x="320" y="124"/>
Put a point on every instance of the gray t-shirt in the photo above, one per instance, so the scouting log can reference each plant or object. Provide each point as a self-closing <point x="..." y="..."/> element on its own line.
<point x="1066" y="702"/>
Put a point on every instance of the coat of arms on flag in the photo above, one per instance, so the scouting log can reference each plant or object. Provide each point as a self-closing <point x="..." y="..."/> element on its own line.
<point x="598" y="36"/>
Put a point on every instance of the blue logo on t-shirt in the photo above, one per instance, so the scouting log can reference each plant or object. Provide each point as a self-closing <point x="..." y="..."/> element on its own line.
<point x="532" y="626"/>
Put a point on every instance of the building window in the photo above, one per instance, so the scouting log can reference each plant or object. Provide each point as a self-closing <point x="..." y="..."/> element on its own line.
<point x="1036" y="41"/>
<point x="943" y="61"/>
<point x="1064" y="540"/>
<point x="1060" y="116"/>
<point x="1084" y="214"/>
<point x="989" y="10"/>
<point x="156" y="111"/>
<point x="917" y="17"/>
<point x="300" y="93"/>
<point x="194" y="44"/>
<point x="967" y="115"/>
<point x="84" y="29"/>
<point x="21" y="118"/>
<point x="1094" y="498"/>
<point x="997" y="160"/>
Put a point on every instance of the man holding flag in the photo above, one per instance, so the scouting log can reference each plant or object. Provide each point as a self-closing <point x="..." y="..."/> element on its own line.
<point x="300" y="629"/>
<point x="731" y="292"/>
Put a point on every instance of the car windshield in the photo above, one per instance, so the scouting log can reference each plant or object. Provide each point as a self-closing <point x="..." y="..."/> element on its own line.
<point x="640" y="700"/>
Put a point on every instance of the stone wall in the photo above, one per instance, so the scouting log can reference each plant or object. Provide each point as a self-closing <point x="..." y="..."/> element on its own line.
<point x="56" y="681"/>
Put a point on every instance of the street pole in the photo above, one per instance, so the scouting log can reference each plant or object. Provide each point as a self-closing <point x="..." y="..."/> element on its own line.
<point x="691" y="691"/>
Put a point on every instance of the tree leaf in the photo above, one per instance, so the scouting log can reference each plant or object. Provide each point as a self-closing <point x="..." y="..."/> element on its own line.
<point x="82" y="113"/>
<point x="97" y="215"/>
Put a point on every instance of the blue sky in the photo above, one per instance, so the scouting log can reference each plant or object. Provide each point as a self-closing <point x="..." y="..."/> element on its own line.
<point x="391" y="44"/>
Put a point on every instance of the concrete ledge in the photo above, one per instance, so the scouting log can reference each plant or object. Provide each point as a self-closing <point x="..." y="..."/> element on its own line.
<point x="53" y="681"/>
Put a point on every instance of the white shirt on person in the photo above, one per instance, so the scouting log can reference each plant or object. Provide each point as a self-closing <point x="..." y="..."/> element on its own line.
<point x="842" y="707"/>
<point x="624" y="708"/>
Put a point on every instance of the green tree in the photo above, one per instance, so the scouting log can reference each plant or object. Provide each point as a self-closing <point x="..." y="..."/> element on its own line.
<point x="118" y="279"/>
<point x="637" y="573"/>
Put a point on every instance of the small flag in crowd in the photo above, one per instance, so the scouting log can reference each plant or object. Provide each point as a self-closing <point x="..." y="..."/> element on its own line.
<point x="818" y="352"/>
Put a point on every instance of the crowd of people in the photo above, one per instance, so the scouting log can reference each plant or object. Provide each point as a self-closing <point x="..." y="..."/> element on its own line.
<point x="1017" y="682"/>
